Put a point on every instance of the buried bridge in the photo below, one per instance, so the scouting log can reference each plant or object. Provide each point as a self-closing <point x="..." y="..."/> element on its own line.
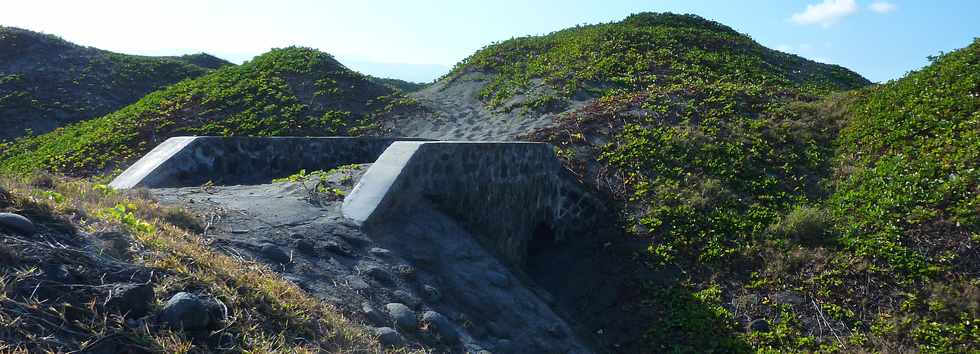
<point x="511" y="195"/>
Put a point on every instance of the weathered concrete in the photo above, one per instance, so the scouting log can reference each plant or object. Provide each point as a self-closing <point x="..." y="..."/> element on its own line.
<point x="507" y="193"/>
<point x="486" y="303"/>
<point x="193" y="161"/>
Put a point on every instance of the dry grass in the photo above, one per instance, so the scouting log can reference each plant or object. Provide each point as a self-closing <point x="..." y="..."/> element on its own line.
<point x="266" y="313"/>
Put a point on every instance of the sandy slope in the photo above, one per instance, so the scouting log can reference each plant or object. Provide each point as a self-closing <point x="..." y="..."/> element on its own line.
<point x="454" y="112"/>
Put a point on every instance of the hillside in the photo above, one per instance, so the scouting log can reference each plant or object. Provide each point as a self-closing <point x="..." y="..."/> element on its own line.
<point x="291" y="91"/>
<point x="519" y="85"/>
<point x="762" y="202"/>
<point x="402" y="85"/>
<point x="800" y="220"/>
<point x="46" y="82"/>
<point x="100" y="267"/>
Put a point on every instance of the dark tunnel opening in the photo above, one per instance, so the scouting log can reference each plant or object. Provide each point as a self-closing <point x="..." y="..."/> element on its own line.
<point x="542" y="240"/>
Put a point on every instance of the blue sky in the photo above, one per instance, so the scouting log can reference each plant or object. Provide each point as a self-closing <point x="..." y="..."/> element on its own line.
<point x="421" y="39"/>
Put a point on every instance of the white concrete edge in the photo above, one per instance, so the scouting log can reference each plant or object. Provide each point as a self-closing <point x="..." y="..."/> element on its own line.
<point x="372" y="192"/>
<point x="146" y="165"/>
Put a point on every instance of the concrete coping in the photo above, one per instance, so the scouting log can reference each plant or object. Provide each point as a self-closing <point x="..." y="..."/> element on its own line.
<point x="196" y="160"/>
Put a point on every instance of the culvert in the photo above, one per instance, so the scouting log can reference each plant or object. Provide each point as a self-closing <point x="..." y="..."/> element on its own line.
<point x="480" y="222"/>
<point x="500" y="191"/>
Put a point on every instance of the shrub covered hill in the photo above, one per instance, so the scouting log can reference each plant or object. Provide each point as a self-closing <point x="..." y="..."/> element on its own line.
<point x="795" y="216"/>
<point x="782" y="205"/>
<point x="291" y="91"/>
<point x="46" y="82"/>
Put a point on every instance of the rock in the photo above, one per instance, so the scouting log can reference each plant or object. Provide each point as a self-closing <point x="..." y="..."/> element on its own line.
<point x="404" y="317"/>
<point x="190" y="312"/>
<point x="337" y="247"/>
<point x="788" y="297"/>
<point x="439" y="324"/>
<point x="372" y="315"/>
<point x="746" y="300"/>
<point x="389" y="337"/>
<point x="17" y="223"/>
<point x="407" y="298"/>
<point x="132" y="300"/>
<point x="356" y="282"/>
<point x="379" y="252"/>
<point x="58" y="273"/>
<point x="759" y="325"/>
<point x="305" y="246"/>
<point x="274" y="253"/>
<point x="405" y="270"/>
<point x="431" y="293"/>
<point x="378" y="273"/>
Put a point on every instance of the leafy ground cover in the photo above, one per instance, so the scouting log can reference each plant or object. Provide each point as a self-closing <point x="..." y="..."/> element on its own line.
<point x="799" y="221"/>
<point x="47" y="82"/>
<point x="286" y="92"/>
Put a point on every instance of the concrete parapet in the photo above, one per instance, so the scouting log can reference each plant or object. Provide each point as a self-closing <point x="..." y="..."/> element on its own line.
<point x="510" y="194"/>
<point x="193" y="161"/>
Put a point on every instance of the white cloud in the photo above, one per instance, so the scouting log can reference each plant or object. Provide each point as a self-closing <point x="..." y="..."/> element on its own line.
<point x="826" y="13"/>
<point x="882" y="7"/>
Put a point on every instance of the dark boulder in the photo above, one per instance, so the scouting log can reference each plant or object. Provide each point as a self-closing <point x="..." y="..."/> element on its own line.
<point x="17" y="223"/>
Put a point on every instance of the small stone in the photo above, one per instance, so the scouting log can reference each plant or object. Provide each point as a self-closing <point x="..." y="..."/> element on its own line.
<point x="403" y="316"/>
<point x="305" y="246"/>
<point x="439" y="324"/>
<point x="378" y="273"/>
<point x="379" y="252"/>
<point x="356" y="282"/>
<point x="274" y="253"/>
<point x="405" y="270"/>
<point x="188" y="311"/>
<point x="132" y="300"/>
<point x="431" y="293"/>
<point x="58" y="272"/>
<point x="407" y="298"/>
<point x="759" y="325"/>
<point x="389" y="337"/>
<point x="336" y="247"/>
<point x="371" y="314"/>
<point x="17" y="223"/>
<point x="788" y="297"/>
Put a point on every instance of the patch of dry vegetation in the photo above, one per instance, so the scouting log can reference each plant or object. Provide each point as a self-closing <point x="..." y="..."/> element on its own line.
<point x="265" y="313"/>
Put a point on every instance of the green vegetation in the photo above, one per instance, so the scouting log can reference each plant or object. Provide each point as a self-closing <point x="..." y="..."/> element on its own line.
<point x="292" y="91"/>
<point x="401" y="85"/>
<point x="844" y="221"/>
<point x="324" y="186"/>
<point x="47" y="82"/>
<point x="642" y="50"/>
<point x="799" y="210"/>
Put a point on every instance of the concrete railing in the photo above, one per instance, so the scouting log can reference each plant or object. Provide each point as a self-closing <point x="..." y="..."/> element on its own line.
<point x="506" y="193"/>
<point x="193" y="161"/>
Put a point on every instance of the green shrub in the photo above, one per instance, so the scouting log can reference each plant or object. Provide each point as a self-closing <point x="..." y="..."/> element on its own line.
<point x="809" y="225"/>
